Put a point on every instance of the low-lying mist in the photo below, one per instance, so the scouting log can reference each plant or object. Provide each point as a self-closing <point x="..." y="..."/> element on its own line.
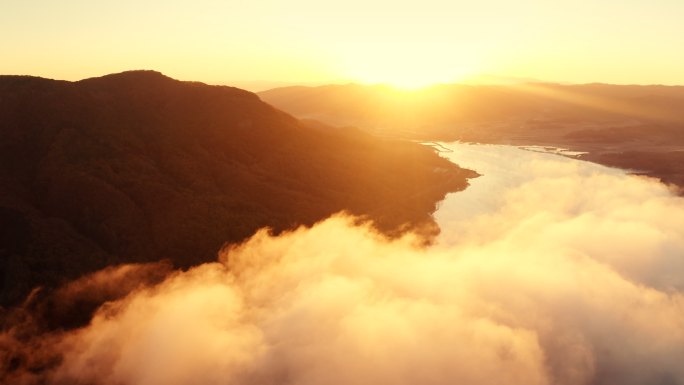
<point x="575" y="277"/>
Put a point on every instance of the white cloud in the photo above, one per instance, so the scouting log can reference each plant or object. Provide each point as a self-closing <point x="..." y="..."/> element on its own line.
<point x="573" y="277"/>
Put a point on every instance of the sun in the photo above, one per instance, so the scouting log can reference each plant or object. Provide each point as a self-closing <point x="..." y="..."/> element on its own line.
<point x="409" y="82"/>
<point x="408" y="69"/>
<point x="409" y="77"/>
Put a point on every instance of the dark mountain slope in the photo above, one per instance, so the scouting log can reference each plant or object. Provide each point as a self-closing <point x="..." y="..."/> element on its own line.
<point x="138" y="167"/>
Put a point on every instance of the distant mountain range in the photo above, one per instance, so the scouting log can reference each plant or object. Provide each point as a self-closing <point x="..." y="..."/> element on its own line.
<point x="629" y="126"/>
<point x="138" y="167"/>
<point x="455" y="110"/>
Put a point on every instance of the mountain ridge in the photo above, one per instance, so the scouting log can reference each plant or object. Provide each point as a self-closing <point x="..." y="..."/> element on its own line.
<point x="138" y="167"/>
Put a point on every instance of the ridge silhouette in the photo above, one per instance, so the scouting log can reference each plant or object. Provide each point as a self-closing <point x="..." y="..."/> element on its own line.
<point x="139" y="167"/>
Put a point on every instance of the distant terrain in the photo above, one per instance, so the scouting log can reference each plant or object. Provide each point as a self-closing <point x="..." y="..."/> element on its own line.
<point x="139" y="167"/>
<point x="628" y="126"/>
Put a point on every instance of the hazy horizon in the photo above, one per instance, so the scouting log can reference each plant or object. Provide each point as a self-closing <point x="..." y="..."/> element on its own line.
<point x="408" y="44"/>
<point x="257" y="86"/>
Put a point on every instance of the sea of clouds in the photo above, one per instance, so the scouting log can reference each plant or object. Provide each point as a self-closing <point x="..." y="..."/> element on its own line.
<point x="573" y="276"/>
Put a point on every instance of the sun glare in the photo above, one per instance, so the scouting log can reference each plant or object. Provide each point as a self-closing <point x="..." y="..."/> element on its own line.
<point x="407" y="67"/>
<point x="409" y="77"/>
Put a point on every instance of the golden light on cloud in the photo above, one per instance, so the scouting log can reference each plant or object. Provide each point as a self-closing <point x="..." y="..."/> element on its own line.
<point x="527" y="293"/>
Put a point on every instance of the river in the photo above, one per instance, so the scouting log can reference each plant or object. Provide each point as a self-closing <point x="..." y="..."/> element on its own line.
<point x="502" y="169"/>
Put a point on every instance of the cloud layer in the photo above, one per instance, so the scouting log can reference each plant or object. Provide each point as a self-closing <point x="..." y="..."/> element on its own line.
<point x="573" y="277"/>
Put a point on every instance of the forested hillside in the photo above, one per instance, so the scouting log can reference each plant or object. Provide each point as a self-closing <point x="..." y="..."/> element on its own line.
<point x="138" y="167"/>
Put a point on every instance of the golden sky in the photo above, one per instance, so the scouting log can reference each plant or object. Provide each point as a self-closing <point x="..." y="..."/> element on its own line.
<point x="316" y="41"/>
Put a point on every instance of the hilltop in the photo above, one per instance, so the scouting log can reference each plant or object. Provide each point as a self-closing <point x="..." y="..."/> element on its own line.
<point x="139" y="167"/>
